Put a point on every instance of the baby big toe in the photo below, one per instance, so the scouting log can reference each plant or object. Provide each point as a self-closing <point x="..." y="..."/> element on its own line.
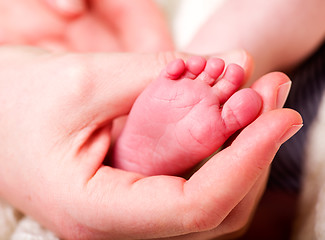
<point x="241" y="109"/>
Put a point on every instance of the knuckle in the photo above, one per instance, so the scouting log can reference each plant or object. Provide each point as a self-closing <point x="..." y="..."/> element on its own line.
<point x="79" y="82"/>
<point x="74" y="89"/>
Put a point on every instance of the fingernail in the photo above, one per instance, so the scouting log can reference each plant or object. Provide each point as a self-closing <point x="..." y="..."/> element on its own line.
<point x="283" y="92"/>
<point x="70" y="6"/>
<point x="290" y="132"/>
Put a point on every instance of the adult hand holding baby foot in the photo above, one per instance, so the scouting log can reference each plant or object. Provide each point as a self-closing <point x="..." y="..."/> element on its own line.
<point x="56" y="115"/>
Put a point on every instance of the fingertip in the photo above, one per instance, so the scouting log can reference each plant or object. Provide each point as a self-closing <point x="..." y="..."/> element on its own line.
<point x="290" y="132"/>
<point x="273" y="88"/>
<point x="269" y="129"/>
<point x="275" y="77"/>
<point x="294" y="125"/>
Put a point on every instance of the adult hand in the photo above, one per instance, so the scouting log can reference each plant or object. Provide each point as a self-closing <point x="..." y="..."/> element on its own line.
<point x="74" y="25"/>
<point x="56" y="116"/>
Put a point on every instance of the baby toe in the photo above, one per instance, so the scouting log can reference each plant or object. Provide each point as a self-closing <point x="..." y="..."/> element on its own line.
<point x="213" y="69"/>
<point x="174" y="69"/>
<point x="241" y="109"/>
<point x="229" y="83"/>
<point x="195" y="65"/>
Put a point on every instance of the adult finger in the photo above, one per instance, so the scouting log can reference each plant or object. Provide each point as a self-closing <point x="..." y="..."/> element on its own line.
<point x="247" y="157"/>
<point x="274" y="89"/>
<point x="237" y="220"/>
<point x="163" y="206"/>
<point x="67" y="8"/>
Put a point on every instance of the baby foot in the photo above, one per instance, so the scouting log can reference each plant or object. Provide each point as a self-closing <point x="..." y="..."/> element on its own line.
<point x="184" y="116"/>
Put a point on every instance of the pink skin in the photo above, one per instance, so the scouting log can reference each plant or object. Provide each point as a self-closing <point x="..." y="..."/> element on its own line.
<point x="56" y="131"/>
<point x="85" y="26"/>
<point x="185" y="116"/>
